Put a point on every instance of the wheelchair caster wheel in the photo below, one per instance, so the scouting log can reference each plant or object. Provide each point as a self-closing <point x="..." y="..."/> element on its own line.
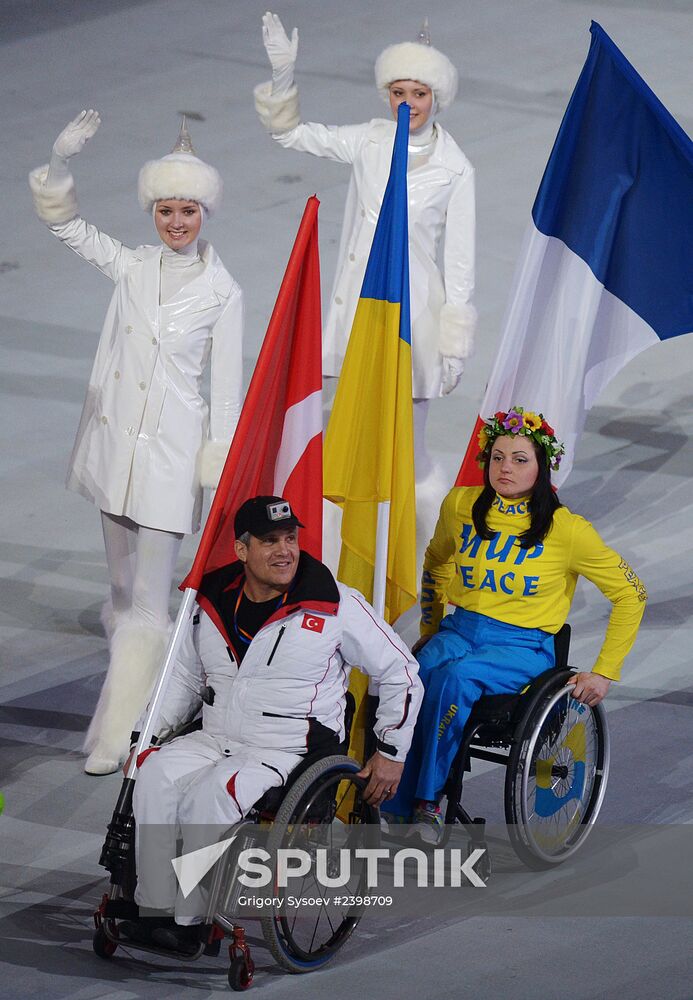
<point x="241" y="972"/>
<point x="102" y="945"/>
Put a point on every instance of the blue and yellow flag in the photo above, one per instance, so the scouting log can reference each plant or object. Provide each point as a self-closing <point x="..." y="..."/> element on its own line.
<point x="369" y="445"/>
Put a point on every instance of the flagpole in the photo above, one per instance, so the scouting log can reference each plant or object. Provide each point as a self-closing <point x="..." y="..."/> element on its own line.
<point x="382" y="532"/>
<point x="180" y="630"/>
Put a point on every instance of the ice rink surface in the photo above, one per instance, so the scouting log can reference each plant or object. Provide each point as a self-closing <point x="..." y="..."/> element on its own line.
<point x="139" y="64"/>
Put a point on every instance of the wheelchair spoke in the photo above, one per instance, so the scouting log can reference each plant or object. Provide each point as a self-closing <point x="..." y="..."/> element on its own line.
<point x="303" y="889"/>
<point x="327" y="915"/>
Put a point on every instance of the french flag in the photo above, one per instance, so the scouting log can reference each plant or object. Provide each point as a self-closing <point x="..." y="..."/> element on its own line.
<point x="606" y="269"/>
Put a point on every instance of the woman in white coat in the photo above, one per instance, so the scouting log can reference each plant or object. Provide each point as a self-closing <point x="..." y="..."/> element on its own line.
<point x="147" y="443"/>
<point x="441" y="213"/>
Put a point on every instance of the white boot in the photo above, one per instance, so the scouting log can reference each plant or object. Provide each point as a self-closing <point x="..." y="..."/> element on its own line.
<point x="137" y="652"/>
<point x="110" y="618"/>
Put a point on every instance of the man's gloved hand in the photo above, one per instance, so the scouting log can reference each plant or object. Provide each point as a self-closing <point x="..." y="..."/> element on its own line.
<point x="452" y="373"/>
<point x="76" y="133"/>
<point x="281" y="51"/>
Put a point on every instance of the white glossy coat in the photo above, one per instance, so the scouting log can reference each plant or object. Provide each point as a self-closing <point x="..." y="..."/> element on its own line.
<point x="144" y="421"/>
<point x="441" y="235"/>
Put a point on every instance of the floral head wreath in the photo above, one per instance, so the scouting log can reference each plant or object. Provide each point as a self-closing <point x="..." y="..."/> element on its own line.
<point x="520" y="421"/>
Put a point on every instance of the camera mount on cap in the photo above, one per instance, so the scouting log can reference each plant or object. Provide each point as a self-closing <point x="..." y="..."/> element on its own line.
<point x="261" y="515"/>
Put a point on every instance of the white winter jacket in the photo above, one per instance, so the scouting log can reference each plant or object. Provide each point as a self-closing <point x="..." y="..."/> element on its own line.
<point x="289" y="691"/>
<point x="441" y="241"/>
<point x="144" y="422"/>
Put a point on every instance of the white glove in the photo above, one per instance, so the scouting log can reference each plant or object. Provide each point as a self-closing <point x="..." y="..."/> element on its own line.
<point x="76" y="133"/>
<point x="452" y="373"/>
<point x="70" y="141"/>
<point x="281" y="52"/>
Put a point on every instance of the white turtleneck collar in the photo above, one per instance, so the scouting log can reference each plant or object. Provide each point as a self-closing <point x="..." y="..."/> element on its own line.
<point x="180" y="258"/>
<point x="421" y="143"/>
<point x="178" y="267"/>
<point x="423" y="136"/>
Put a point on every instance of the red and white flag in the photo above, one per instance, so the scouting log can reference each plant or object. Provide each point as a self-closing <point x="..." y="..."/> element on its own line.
<point x="277" y="447"/>
<point x="313" y="623"/>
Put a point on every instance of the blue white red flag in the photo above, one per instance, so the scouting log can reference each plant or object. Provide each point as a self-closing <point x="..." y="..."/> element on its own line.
<point x="607" y="265"/>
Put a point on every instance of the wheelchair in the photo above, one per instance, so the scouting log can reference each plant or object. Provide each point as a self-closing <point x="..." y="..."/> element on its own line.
<point x="556" y="754"/>
<point x="319" y="808"/>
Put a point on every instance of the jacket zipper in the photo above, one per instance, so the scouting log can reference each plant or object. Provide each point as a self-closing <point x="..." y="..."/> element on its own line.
<point x="274" y="647"/>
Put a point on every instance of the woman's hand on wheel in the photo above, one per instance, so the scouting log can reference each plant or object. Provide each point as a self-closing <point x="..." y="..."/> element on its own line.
<point x="76" y="133"/>
<point x="589" y="688"/>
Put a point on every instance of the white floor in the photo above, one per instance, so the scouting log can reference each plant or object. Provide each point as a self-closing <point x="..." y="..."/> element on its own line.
<point x="139" y="65"/>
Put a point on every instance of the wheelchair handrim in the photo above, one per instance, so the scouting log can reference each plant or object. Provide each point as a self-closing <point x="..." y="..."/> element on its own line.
<point x="279" y="924"/>
<point x="595" y="778"/>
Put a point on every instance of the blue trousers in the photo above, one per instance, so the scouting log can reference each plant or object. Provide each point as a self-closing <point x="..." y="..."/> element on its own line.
<point x="470" y="656"/>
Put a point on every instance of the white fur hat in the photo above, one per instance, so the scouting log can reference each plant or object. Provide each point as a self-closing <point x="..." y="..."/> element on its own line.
<point x="417" y="61"/>
<point x="180" y="174"/>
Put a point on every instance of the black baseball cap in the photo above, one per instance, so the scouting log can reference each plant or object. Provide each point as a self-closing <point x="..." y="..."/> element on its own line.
<point x="260" y="515"/>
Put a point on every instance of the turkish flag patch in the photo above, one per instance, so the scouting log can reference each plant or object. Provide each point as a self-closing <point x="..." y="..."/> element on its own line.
<point x="313" y="623"/>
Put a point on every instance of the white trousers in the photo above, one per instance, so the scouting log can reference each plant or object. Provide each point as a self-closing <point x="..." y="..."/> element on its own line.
<point x="193" y="790"/>
<point x="141" y="562"/>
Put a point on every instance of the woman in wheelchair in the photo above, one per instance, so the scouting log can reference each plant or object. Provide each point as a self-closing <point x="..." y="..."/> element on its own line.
<point x="507" y="556"/>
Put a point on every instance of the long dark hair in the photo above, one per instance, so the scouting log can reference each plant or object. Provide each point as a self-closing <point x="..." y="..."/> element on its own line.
<point x="543" y="502"/>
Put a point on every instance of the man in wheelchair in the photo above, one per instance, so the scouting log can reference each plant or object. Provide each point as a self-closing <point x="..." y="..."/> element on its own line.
<point x="268" y="662"/>
<point x="507" y="555"/>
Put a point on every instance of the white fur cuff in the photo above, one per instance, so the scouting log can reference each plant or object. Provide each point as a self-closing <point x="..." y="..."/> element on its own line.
<point x="457" y="325"/>
<point x="54" y="204"/>
<point x="279" y="112"/>
<point x="212" y="462"/>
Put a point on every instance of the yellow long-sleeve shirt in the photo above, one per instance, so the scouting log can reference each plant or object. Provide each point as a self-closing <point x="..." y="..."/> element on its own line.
<point x="534" y="587"/>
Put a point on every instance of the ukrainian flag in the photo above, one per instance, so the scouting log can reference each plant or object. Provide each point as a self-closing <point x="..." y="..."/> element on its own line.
<point x="369" y="445"/>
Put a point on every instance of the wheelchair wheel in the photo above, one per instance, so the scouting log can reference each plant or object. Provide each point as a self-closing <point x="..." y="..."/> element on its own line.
<point x="102" y="945"/>
<point x="556" y="778"/>
<point x="241" y="972"/>
<point x="322" y="813"/>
